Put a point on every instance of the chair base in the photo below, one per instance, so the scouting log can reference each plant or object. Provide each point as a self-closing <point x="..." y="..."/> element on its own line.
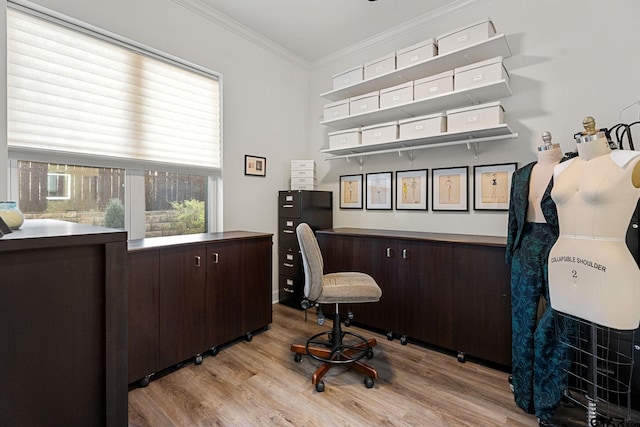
<point x="333" y="351"/>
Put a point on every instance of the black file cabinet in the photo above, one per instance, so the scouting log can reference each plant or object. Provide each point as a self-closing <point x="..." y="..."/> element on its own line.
<point x="294" y="207"/>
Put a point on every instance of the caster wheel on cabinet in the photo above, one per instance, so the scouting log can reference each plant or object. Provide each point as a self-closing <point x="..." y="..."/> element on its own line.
<point x="461" y="357"/>
<point x="215" y="351"/>
<point x="403" y="340"/>
<point x="297" y="358"/>
<point x="347" y="322"/>
<point x="368" y="382"/>
<point x="144" y="381"/>
<point x="320" y="386"/>
<point x="198" y="359"/>
<point x="248" y="337"/>
<point x="390" y="336"/>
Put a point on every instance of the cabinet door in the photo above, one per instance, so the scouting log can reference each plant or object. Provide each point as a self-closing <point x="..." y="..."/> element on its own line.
<point x="336" y="252"/>
<point x="424" y="280"/>
<point x="378" y="258"/>
<point x="257" y="269"/>
<point x="481" y="291"/>
<point x="225" y="292"/>
<point x="144" y="302"/>
<point x="182" y="303"/>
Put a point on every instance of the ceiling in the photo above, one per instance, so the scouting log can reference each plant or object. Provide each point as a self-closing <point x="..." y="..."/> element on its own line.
<point x="314" y="29"/>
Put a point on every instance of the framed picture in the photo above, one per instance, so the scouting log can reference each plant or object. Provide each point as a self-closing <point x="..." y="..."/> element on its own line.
<point x="254" y="165"/>
<point x="411" y="190"/>
<point x="450" y="190"/>
<point x="351" y="191"/>
<point x="492" y="185"/>
<point x="379" y="191"/>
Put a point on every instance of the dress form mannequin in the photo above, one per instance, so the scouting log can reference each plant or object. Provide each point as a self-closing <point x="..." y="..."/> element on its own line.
<point x="538" y="357"/>
<point x="592" y="274"/>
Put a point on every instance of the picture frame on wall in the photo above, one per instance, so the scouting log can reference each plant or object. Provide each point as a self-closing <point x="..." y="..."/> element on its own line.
<point x="411" y="190"/>
<point x="255" y="165"/>
<point x="379" y="191"/>
<point x="351" y="191"/>
<point x="450" y="190"/>
<point x="492" y="186"/>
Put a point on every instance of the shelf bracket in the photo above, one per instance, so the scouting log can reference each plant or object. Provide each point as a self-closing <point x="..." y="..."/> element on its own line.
<point x="410" y="154"/>
<point x="360" y="160"/>
<point x="475" y="147"/>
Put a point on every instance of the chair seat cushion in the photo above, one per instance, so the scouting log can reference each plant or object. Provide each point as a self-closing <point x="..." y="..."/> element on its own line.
<point x="349" y="287"/>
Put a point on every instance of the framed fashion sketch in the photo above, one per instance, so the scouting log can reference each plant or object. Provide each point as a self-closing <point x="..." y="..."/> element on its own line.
<point x="351" y="191"/>
<point x="450" y="190"/>
<point x="411" y="190"/>
<point x="379" y="192"/>
<point x="492" y="185"/>
<point x="254" y="165"/>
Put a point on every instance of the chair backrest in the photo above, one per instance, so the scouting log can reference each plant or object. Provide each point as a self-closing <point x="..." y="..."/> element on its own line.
<point x="311" y="260"/>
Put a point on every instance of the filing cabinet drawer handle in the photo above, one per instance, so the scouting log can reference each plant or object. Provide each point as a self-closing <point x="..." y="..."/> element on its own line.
<point x="291" y="291"/>
<point x="215" y="257"/>
<point x="286" y="264"/>
<point x="197" y="261"/>
<point x="288" y="231"/>
<point x="287" y="206"/>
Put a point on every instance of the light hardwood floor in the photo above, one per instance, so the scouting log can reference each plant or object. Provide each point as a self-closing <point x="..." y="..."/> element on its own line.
<point x="258" y="383"/>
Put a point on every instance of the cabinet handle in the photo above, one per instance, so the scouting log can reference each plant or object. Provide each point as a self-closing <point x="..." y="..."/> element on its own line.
<point x="286" y="264"/>
<point x="288" y="231"/>
<point x="215" y="257"/>
<point x="405" y="254"/>
<point x="389" y="253"/>
<point x="197" y="261"/>
<point x="291" y="291"/>
<point x="287" y="206"/>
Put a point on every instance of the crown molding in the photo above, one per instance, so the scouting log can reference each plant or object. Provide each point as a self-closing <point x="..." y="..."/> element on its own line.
<point x="243" y="31"/>
<point x="453" y="8"/>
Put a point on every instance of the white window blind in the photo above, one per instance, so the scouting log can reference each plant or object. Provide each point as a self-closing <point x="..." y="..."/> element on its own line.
<point x="70" y="92"/>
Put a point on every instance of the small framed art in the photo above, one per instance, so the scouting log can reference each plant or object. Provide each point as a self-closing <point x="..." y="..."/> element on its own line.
<point x="254" y="165"/>
<point x="351" y="191"/>
<point x="379" y="192"/>
<point x="411" y="190"/>
<point x="450" y="190"/>
<point x="492" y="185"/>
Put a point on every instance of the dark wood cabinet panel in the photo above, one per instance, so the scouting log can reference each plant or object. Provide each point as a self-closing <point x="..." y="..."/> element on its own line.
<point x="183" y="320"/>
<point x="63" y="291"/>
<point x="258" y="311"/>
<point x="144" y="312"/>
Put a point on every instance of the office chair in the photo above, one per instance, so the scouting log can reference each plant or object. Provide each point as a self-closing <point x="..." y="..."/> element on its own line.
<point x="334" y="347"/>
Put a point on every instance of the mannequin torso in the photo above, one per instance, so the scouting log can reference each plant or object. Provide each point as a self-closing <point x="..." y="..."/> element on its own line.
<point x="540" y="178"/>
<point x="592" y="274"/>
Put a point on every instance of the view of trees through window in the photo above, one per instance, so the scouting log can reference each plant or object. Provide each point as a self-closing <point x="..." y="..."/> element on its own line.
<point x="174" y="203"/>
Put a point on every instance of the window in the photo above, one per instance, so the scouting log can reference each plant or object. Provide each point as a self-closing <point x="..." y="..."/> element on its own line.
<point x="92" y="114"/>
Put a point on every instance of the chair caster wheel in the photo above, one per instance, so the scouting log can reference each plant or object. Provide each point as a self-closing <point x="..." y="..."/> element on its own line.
<point x="198" y="360"/>
<point x="297" y="358"/>
<point x="461" y="357"/>
<point x="248" y="337"/>
<point x="390" y="336"/>
<point x="370" y="354"/>
<point x="320" y="386"/>
<point x="215" y="351"/>
<point x="403" y="340"/>
<point x="368" y="382"/>
<point x="347" y="322"/>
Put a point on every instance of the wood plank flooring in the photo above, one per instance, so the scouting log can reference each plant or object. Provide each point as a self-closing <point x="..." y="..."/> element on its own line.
<point x="257" y="383"/>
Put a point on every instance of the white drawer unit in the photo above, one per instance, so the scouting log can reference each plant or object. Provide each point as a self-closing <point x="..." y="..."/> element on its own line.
<point x="377" y="134"/>
<point x="422" y="127"/>
<point x="303" y="164"/>
<point x="364" y="103"/>
<point x="465" y="36"/>
<point x="345" y="138"/>
<point x="480" y="73"/>
<point x="416" y="53"/>
<point x="380" y="66"/>
<point x="336" y="110"/>
<point x="395" y="95"/>
<point x="433" y="85"/>
<point x="348" y="77"/>
<point x="479" y="116"/>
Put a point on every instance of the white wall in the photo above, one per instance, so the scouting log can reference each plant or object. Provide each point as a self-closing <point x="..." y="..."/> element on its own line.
<point x="569" y="59"/>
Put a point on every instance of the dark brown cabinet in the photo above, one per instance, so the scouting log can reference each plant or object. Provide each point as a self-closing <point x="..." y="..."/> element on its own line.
<point x="189" y="294"/>
<point x="451" y="291"/>
<point x="63" y="292"/>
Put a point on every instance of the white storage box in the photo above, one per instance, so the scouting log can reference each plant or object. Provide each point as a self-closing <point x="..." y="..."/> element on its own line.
<point x="303" y="186"/>
<point x="468" y="35"/>
<point x="422" y="127"/>
<point x="348" y="78"/>
<point x="336" y="110"/>
<point x="383" y="132"/>
<point x="433" y="85"/>
<point x="302" y="173"/>
<point x="416" y="53"/>
<point x="380" y="66"/>
<point x="364" y="103"/>
<point x="396" y="95"/>
<point x="475" y="117"/>
<point x="345" y="138"/>
<point x="303" y="181"/>
<point x="480" y="73"/>
<point x="303" y="164"/>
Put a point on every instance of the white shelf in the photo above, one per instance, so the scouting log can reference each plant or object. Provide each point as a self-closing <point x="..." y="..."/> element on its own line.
<point x="486" y="49"/>
<point x="436" y="104"/>
<point x="444" y="139"/>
